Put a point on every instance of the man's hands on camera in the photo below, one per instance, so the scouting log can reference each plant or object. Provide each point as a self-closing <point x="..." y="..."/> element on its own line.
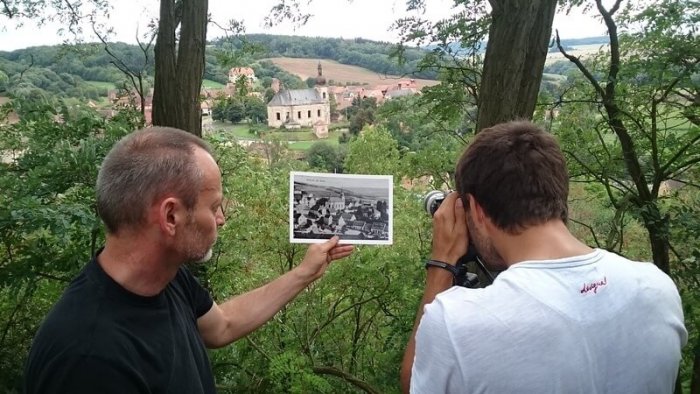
<point x="450" y="236"/>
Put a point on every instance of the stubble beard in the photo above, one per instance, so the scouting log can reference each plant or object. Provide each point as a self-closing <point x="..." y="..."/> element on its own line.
<point x="192" y="249"/>
<point x="489" y="255"/>
<point x="206" y="257"/>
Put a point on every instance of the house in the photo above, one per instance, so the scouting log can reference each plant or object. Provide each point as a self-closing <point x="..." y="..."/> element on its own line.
<point x="356" y="225"/>
<point x="236" y="73"/>
<point x="378" y="228"/>
<point x="308" y="200"/>
<point x="395" y="93"/>
<point x="302" y="108"/>
<point x="345" y="218"/>
<point x="337" y="203"/>
<point x="131" y="98"/>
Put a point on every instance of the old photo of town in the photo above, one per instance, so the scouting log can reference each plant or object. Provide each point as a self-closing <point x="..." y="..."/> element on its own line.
<point x="357" y="208"/>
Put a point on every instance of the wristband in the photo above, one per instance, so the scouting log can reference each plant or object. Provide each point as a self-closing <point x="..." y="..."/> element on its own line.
<point x="441" y="264"/>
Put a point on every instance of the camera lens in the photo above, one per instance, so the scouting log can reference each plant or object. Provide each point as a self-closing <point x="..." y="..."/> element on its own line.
<point x="432" y="201"/>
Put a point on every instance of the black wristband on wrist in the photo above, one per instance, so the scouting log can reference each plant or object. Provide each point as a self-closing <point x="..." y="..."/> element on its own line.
<point x="441" y="264"/>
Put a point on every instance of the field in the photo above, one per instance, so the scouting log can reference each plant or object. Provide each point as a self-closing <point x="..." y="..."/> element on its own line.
<point x="340" y="73"/>
<point x="297" y="140"/>
<point x="579" y="51"/>
<point x="209" y="84"/>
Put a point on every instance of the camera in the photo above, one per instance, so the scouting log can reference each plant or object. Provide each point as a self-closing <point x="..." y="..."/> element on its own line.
<point x="431" y="202"/>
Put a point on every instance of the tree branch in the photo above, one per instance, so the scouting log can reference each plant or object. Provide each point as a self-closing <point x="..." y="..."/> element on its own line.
<point x="366" y="387"/>
<point x="595" y="238"/>
<point x="581" y="67"/>
<point x="31" y="63"/>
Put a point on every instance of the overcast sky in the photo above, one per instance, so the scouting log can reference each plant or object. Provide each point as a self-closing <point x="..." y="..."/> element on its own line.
<point x="331" y="18"/>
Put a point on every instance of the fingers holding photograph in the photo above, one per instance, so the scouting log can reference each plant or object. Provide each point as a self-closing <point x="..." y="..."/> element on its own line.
<point x="356" y="208"/>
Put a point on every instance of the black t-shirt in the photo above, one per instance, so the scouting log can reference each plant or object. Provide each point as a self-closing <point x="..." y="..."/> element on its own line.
<point x="101" y="338"/>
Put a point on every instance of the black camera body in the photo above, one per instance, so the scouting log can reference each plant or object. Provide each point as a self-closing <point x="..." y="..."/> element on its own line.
<point x="464" y="278"/>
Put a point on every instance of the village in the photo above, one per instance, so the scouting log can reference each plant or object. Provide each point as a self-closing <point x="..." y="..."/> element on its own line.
<point x="289" y="109"/>
<point x="320" y="215"/>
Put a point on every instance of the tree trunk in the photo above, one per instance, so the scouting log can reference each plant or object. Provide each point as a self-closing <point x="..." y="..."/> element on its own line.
<point x="695" y="378"/>
<point x="515" y="54"/>
<point x="180" y="65"/>
<point x="658" y="238"/>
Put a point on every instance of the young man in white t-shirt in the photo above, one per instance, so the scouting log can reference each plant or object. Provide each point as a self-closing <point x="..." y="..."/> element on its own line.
<point x="561" y="317"/>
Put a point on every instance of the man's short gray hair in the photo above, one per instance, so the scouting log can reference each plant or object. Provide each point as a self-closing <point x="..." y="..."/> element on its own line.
<point x="144" y="166"/>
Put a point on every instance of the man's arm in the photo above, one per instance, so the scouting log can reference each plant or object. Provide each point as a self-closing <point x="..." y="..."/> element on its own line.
<point x="437" y="281"/>
<point x="240" y="315"/>
<point x="450" y="240"/>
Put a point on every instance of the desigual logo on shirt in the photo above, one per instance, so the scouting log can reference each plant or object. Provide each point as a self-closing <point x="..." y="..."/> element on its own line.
<point x="594" y="286"/>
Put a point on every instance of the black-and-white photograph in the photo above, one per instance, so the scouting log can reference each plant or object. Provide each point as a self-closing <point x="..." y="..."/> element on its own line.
<point x="357" y="208"/>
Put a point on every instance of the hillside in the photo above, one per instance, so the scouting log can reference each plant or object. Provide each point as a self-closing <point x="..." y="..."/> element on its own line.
<point x="372" y="55"/>
<point x="581" y="51"/>
<point x="339" y="73"/>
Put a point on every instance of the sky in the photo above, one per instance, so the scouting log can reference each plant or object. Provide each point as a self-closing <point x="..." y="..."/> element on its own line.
<point x="369" y="19"/>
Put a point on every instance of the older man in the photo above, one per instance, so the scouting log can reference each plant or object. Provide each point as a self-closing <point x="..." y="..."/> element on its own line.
<point x="135" y="320"/>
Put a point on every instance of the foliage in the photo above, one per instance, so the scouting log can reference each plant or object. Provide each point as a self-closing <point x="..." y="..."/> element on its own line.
<point x="325" y="157"/>
<point x="631" y="128"/>
<point x="48" y="224"/>
<point x="347" y="331"/>
<point x="69" y="70"/>
<point x="69" y="15"/>
<point x="377" y="143"/>
<point x="235" y="109"/>
<point x="361" y="113"/>
<point x="266" y="70"/>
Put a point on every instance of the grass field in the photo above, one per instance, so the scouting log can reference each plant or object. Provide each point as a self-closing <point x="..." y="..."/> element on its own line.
<point x="340" y="73"/>
<point x="581" y="51"/>
<point x="300" y="140"/>
<point x="209" y="84"/>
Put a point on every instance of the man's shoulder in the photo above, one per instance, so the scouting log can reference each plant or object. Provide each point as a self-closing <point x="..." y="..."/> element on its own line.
<point x="646" y="274"/>
<point x="70" y="322"/>
<point x="452" y="305"/>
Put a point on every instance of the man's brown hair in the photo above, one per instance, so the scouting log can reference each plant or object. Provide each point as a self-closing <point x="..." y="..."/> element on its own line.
<point x="517" y="173"/>
<point x="143" y="166"/>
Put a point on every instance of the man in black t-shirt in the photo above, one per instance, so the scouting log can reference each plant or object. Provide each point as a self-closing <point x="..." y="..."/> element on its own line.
<point x="135" y="320"/>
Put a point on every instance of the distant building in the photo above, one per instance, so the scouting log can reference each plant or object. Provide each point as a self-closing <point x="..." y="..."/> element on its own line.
<point x="337" y="203"/>
<point x="302" y="108"/>
<point x="392" y="94"/>
<point x="131" y="98"/>
<point x="236" y="73"/>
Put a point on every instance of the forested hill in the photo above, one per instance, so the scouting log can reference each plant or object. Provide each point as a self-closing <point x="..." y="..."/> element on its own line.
<point x="373" y="55"/>
<point x="86" y="70"/>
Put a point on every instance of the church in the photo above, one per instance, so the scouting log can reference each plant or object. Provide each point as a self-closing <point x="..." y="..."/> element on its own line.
<point x="297" y="108"/>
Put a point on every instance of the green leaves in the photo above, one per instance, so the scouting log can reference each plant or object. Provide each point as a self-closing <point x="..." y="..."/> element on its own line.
<point x="48" y="225"/>
<point x="375" y="143"/>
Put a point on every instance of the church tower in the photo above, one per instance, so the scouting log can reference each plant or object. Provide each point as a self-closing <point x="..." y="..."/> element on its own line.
<point x="321" y="87"/>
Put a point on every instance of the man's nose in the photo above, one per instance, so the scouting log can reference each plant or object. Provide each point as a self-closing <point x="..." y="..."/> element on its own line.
<point x="220" y="218"/>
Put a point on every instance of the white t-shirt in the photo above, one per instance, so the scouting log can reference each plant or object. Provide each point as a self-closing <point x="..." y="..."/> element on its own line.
<point x="596" y="323"/>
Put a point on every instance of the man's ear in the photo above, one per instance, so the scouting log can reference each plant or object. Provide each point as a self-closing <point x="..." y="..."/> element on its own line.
<point x="479" y="215"/>
<point x="171" y="213"/>
<point x="475" y="210"/>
